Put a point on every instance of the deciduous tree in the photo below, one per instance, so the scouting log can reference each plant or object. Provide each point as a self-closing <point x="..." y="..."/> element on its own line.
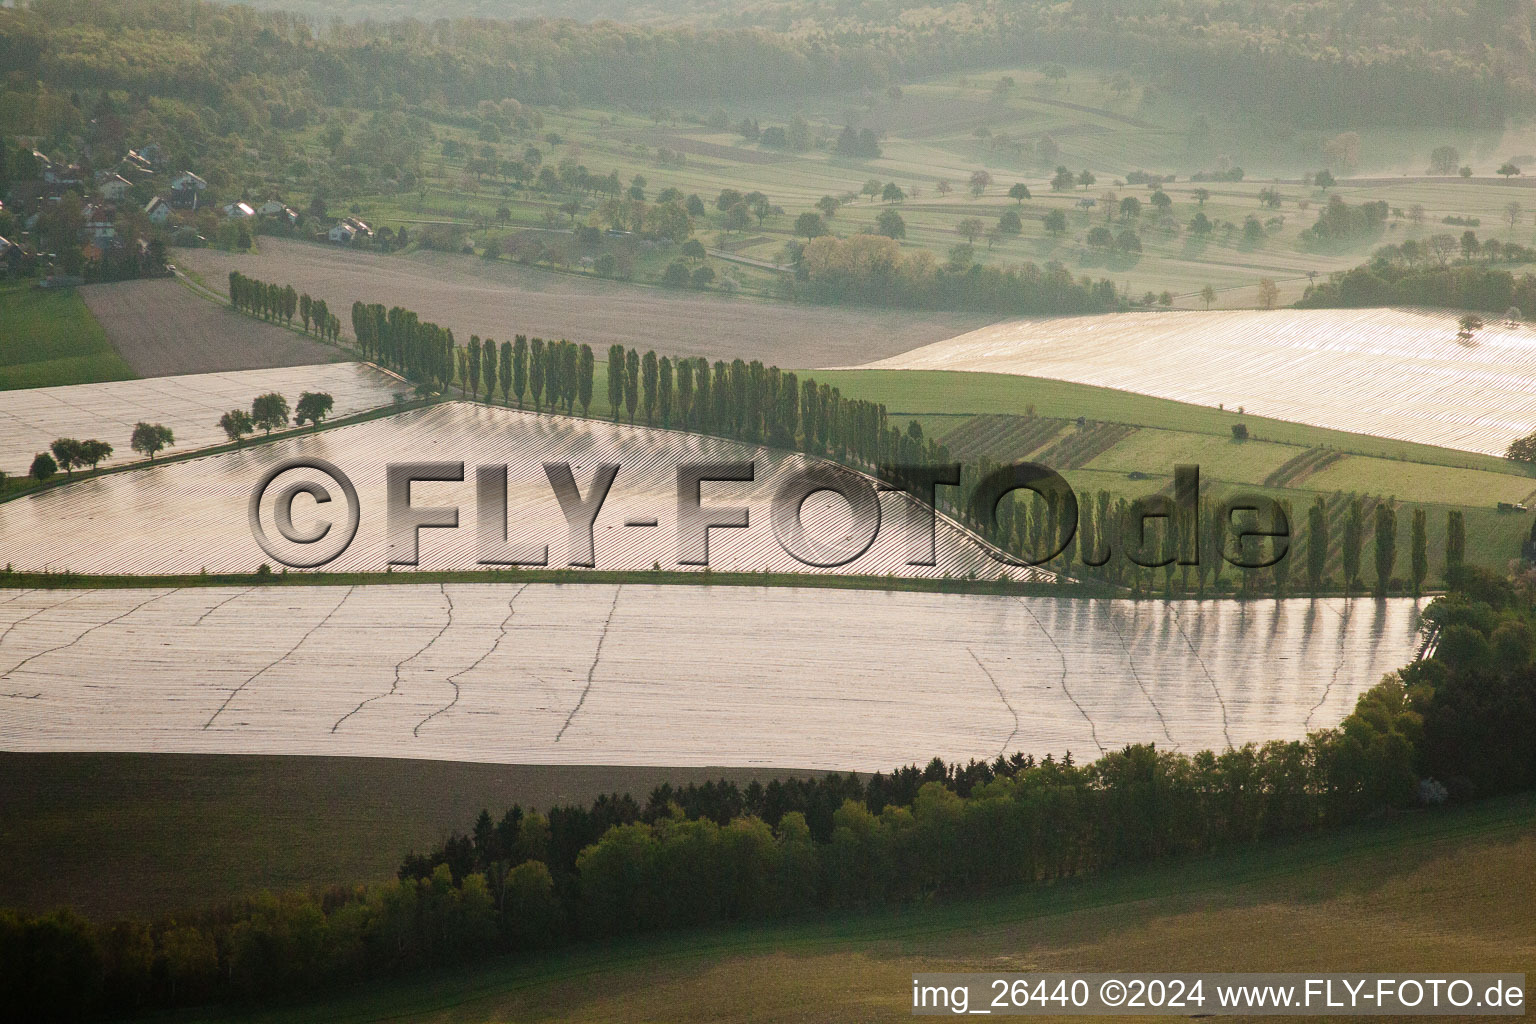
<point x="313" y="407"/>
<point x="151" y="438"/>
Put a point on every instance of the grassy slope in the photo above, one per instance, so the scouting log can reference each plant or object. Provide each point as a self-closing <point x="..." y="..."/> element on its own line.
<point x="1446" y="891"/>
<point x="1172" y="432"/>
<point x="49" y="338"/>
<point x="911" y="392"/>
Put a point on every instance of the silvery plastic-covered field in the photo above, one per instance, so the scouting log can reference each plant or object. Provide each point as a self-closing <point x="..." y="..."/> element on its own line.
<point x="190" y="405"/>
<point x="193" y="515"/>
<point x="1390" y="372"/>
<point x="674" y="675"/>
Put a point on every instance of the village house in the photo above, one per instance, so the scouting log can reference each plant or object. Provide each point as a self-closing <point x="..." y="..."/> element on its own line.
<point x="57" y="174"/>
<point x="99" y="223"/>
<point x="349" y="229"/>
<point x="239" y="210"/>
<point x="113" y="186"/>
<point x="133" y="166"/>
<point x="187" y="191"/>
<point x="157" y="210"/>
<point x="274" y="208"/>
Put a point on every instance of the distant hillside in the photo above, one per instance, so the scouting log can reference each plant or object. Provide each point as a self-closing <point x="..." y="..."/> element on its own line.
<point x="1412" y="63"/>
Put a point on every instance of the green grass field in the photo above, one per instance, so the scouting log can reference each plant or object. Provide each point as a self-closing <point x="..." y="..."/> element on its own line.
<point x="1448" y="890"/>
<point x="48" y="338"/>
<point x="1167" y="433"/>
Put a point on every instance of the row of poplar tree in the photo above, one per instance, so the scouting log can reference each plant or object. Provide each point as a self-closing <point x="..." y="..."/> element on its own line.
<point x="1332" y="538"/>
<point x="283" y="302"/>
<point x="754" y="403"/>
<point x="744" y="400"/>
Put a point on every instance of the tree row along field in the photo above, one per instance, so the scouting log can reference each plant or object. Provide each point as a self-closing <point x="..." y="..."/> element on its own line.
<point x="190" y="405"/>
<point x="116" y="833"/>
<point x="548" y="674"/>
<point x="1126" y="461"/>
<point x="199" y="505"/>
<point x="1005" y="417"/>
<point x="499" y="300"/>
<point x="1379" y="898"/>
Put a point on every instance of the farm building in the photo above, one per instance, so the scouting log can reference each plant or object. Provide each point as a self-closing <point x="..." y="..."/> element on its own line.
<point x="348" y="229"/>
<point x="274" y="208"/>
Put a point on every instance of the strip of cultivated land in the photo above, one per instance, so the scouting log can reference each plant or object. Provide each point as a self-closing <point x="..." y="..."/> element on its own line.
<point x="190" y="405"/>
<point x="501" y="299"/>
<point x="1451" y="888"/>
<point x="1128" y="445"/>
<point x="1386" y="372"/>
<point x="148" y="834"/>
<point x="161" y="327"/>
<point x="48" y="337"/>
<point x="643" y="675"/>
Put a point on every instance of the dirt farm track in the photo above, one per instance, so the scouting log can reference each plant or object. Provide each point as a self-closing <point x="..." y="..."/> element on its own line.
<point x="501" y="299"/>
<point x="162" y="328"/>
